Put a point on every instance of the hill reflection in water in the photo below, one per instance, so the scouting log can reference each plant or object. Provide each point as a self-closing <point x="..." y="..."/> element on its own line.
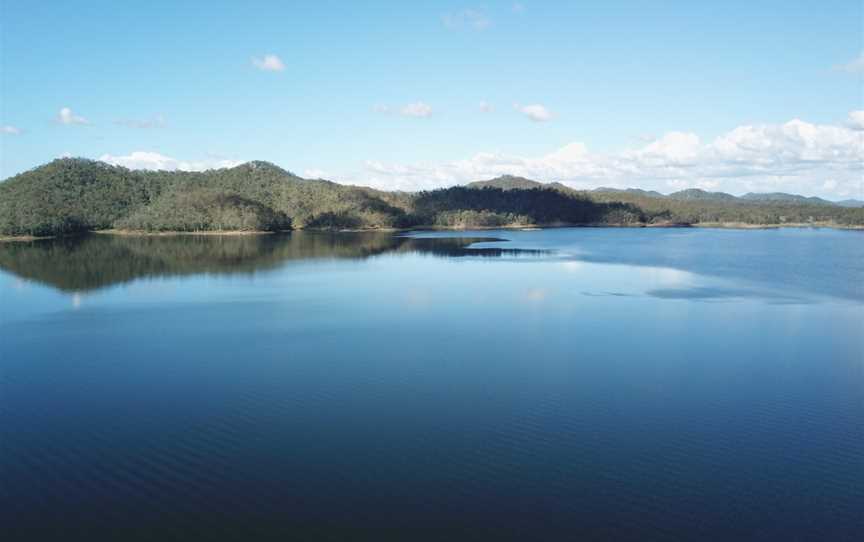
<point x="78" y="264"/>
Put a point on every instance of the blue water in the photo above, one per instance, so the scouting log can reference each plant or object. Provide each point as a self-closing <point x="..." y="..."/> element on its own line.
<point x="568" y="384"/>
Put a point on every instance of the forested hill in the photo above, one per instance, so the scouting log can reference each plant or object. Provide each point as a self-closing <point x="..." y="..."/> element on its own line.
<point x="507" y="182"/>
<point x="695" y="206"/>
<point x="73" y="195"/>
<point x="76" y="195"/>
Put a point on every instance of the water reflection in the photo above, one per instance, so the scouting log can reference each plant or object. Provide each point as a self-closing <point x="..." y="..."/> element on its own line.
<point x="720" y="294"/>
<point x="428" y="390"/>
<point x="824" y="262"/>
<point x="96" y="261"/>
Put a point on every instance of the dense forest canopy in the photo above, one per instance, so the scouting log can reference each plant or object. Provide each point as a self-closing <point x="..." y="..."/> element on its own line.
<point x="77" y="195"/>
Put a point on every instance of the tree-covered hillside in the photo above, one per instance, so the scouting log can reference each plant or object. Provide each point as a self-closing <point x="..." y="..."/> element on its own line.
<point x="461" y="206"/>
<point x="694" y="206"/>
<point x="507" y="182"/>
<point x="782" y="197"/>
<point x="732" y="210"/>
<point x="75" y="195"/>
<point x="69" y="195"/>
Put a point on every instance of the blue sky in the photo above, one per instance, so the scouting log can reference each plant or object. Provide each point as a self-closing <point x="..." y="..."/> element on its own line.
<point x="415" y="95"/>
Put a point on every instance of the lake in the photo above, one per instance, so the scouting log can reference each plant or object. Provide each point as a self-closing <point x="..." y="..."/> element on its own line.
<point x="629" y="384"/>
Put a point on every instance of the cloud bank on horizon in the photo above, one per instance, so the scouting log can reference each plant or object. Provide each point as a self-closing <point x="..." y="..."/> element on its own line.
<point x="158" y="162"/>
<point x="796" y="156"/>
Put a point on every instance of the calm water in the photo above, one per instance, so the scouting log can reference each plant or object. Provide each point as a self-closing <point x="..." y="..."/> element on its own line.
<point x="550" y="385"/>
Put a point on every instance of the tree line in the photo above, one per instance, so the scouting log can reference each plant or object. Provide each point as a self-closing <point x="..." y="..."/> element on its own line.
<point x="69" y="196"/>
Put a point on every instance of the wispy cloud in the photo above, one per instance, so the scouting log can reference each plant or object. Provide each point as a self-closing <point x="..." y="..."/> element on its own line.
<point x="854" y="66"/>
<point x="486" y="107"/>
<point x="66" y="116"/>
<point x="645" y="138"/>
<point x="416" y="109"/>
<point x="11" y="130"/>
<point x="142" y="124"/>
<point x="268" y="63"/>
<point x="535" y="112"/>
<point x="466" y="18"/>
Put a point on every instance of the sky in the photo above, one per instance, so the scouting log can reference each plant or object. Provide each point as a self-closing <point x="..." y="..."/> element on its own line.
<point x="736" y="96"/>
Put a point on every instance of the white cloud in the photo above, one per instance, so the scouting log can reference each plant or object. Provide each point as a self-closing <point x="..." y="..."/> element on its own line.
<point x="466" y="18"/>
<point x="314" y="173"/>
<point x="854" y="66"/>
<point x="416" y="109"/>
<point x="156" y="161"/>
<point x="796" y="156"/>
<point x="11" y="130"/>
<point x="672" y="148"/>
<point x="645" y="138"/>
<point x="156" y="122"/>
<point x="486" y="107"/>
<point x="535" y="112"/>
<point x="66" y="116"/>
<point x="269" y="63"/>
<point x="573" y="152"/>
<point x="856" y="120"/>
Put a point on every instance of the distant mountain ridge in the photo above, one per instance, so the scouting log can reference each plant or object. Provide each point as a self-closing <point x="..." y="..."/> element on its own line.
<point x="636" y="191"/>
<point x="782" y="196"/>
<point x="509" y="182"/>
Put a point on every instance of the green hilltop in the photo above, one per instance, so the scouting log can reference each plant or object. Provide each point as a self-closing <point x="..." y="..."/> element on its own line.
<point x="74" y="195"/>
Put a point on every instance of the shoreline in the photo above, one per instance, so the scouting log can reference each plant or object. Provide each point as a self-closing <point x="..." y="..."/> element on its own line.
<point x="144" y="233"/>
<point x="23" y="238"/>
<point x="746" y="226"/>
<point x="515" y="227"/>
